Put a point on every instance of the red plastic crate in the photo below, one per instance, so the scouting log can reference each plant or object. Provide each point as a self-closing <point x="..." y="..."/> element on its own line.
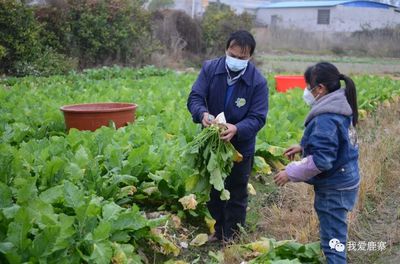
<point x="286" y="82"/>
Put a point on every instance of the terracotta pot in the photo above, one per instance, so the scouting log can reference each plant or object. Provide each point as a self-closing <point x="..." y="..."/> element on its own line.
<point x="93" y="116"/>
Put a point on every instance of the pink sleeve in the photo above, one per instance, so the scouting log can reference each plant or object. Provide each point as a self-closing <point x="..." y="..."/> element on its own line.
<point x="302" y="170"/>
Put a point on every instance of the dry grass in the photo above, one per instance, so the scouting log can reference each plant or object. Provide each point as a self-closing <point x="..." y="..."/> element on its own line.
<point x="377" y="217"/>
<point x="379" y="147"/>
<point x="292" y="216"/>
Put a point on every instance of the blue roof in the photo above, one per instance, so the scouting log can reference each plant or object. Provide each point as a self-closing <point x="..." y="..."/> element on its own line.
<point x="304" y="4"/>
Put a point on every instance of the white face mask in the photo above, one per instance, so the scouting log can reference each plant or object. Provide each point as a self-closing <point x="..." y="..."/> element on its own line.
<point x="235" y="64"/>
<point x="308" y="97"/>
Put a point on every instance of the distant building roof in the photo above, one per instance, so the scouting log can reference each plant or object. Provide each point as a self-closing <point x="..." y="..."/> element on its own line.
<point x="305" y="4"/>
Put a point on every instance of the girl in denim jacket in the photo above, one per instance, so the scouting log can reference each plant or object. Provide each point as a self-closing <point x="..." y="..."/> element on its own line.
<point x="330" y="155"/>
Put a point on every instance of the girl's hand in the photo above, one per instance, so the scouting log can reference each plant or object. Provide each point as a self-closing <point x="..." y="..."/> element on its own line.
<point x="292" y="151"/>
<point x="281" y="178"/>
<point x="229" y="132"/>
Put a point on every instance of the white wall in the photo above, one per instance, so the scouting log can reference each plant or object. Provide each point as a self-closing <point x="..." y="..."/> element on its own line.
<point x="342" y="18"/>
<point x="303" y="18"/>
<point x="349" y="19"/>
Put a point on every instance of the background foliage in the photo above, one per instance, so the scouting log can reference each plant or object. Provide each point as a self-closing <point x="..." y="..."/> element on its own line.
<point x="98" y="32"/>
<point x="72" y="34"/>
<point x="218" y="22"/>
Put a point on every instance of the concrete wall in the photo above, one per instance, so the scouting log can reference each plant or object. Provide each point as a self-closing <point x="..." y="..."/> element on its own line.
<point x="349" y="19"/>
<point x="342" y="18"/>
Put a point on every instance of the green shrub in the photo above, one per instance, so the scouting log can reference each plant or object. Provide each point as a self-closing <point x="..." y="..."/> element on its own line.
<point x="2" y="52"/>
<point x="19" y="35"/>
<point x="48" y="63"/>
<point x="99" y="32"/>
<point x="217" y="24"/>
<point x="25" y="47"/>
<point x="53" y="21"/>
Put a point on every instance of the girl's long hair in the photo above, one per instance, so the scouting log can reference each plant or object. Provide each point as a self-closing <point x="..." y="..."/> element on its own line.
<point x="327" y="74"/>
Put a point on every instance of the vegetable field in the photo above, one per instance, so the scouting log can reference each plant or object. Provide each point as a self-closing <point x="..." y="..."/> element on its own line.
<point x="110" y="196"/>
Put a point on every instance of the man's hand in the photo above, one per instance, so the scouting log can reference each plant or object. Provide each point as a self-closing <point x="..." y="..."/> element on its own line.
<point x="229" y="132"/>
<point x="281" y="178"/>
<point x="292" y="151"/>
<point x="207" y="119"/>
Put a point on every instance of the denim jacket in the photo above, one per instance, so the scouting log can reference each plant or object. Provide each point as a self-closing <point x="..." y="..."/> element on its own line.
<point x="330" y="138"/>
<point x="246" y="108"/>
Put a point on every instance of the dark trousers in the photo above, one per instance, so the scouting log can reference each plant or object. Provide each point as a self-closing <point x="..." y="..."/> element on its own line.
<point x="228" y="214"/>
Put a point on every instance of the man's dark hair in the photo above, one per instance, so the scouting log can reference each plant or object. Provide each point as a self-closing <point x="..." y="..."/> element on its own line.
<point x="243" y="39"/>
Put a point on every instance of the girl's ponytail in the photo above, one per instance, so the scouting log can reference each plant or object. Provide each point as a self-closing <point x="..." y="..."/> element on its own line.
<point x="351" y="96"/>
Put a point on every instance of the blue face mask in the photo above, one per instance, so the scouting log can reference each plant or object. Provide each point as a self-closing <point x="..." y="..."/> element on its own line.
<point x="235" y="64"/>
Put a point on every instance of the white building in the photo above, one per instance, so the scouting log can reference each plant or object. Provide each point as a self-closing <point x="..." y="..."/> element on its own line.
<point x="328" y="16"/>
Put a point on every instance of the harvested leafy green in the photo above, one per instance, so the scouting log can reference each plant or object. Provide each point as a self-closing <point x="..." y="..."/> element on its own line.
<point x="213" y="157"/>
<point x="289" y="251"/>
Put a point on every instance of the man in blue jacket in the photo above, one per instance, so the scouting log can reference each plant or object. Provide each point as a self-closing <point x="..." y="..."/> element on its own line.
<point x="231" y="84"/>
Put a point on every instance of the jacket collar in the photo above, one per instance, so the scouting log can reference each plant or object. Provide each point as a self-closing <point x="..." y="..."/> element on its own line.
<point x="246" y="77"/>
<point x="335" y="103"/>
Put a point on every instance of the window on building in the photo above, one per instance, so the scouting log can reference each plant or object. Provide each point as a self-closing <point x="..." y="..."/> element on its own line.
<point x="323" y="16"/>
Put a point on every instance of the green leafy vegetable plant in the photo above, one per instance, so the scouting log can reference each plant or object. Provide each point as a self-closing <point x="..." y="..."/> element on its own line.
<point x="213" y="157"/>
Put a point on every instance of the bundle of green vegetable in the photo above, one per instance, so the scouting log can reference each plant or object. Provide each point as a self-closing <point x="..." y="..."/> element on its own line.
<point x="213" y="157"/>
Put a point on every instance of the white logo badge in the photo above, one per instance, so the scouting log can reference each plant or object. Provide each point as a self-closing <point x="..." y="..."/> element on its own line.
<point x="240" y="102"/>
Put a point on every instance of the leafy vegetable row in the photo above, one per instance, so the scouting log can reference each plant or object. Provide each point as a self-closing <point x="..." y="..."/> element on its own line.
<point x="84" y="196"/>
